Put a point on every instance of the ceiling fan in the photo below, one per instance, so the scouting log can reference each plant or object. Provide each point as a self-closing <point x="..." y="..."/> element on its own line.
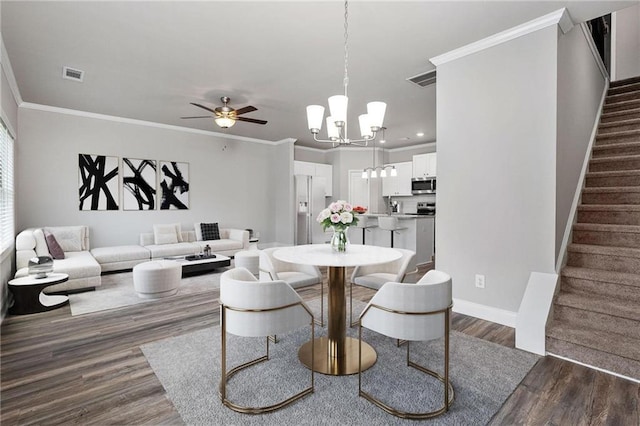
<point x="225" y="116"/>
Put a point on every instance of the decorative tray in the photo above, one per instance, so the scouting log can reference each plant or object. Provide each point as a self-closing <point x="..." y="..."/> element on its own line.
<point x="199" y="257"/>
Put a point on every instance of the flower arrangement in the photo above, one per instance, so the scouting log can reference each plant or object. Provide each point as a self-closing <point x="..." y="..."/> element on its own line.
<point x="339" y="215"/>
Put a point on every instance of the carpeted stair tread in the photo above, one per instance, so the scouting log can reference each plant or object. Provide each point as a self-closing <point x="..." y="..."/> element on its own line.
<point x="617" y="137"/>
<point x="616" y="149"/>
<point x="611" y="189"/>
<point x="624" y="82"/>
<point x="605" y="250"/>
<point x="628" y="87"/>
<point x="627" y="95"/>
<point x="600" y="275"/>
<point x="596" y="320"/>
<point x="609" y="207"/>
<point x="625" y="346"/>
<point x="615" y="116"/>
<point x="606" y="227"/>
<point x="612" y="125"/>
<point x="621" y="308"/>
<point x="622" y="105"/>
<point x="589" y="356"/>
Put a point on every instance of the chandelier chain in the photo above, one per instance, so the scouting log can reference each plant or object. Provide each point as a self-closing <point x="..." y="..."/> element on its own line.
<point x="346" y="50"/>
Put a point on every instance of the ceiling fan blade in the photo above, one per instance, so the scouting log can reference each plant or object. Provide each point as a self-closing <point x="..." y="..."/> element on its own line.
<point x="200" y="116"/>
<point x="251" y="120"/>
<point x="203" y="107"/>
<point x="246" y="109"/>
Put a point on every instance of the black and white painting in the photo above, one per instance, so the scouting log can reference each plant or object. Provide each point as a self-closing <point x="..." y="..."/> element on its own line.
<point x="139" y="183"/>
<point x="98" y="181"/>
<point x="174" y="185"/>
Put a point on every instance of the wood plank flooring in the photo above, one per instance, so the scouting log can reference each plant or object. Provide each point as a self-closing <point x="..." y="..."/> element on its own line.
<point x="89" y="369"/>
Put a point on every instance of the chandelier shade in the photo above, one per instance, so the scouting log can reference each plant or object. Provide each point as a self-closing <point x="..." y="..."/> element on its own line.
<point x="315" y="114"/>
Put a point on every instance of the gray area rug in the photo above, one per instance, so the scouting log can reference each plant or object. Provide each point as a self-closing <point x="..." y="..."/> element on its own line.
<point x="117" y="291"/>
<point x="483" y="374"/>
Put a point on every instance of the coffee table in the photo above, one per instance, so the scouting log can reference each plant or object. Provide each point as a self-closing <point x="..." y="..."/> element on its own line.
<point x="28" y="297"/>
<point x="200" y="266"/>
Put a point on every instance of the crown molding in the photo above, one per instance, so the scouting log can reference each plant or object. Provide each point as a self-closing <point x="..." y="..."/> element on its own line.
<point x="284" y="141"/>
<point x="366" y="148"/>
<point x="8" y="72"/>
<point x="48" y="108"/>
<point x="560" y="17"/>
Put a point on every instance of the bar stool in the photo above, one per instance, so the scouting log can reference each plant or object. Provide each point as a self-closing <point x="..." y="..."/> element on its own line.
<point x="389" y="223"/>
<point x="364" y="224"/>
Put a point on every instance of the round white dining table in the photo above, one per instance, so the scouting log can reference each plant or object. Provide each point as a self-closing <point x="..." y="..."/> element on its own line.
<point x="336" y="354"/>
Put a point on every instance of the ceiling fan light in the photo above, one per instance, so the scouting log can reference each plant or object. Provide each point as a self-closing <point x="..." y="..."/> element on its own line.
<point x="365" y="126"/>
<point x="224" y="122"/>
<point x="315" y="114"/>
<point x="338" y="108"/>
<point x="376" y="111"/>
<point x="332" y="131"/>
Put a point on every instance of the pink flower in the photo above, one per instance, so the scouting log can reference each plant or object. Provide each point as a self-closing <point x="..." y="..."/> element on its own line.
<point x="335" y="218"/>
<point x="348" y="207"/>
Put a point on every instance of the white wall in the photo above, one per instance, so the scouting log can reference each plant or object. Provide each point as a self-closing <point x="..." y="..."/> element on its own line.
<point x="282" y="193"/>
<point x="627" y="43"/>
<point x="231" y="181"/>
<point x="580" y="89"/>
<point x="496" y="114"/>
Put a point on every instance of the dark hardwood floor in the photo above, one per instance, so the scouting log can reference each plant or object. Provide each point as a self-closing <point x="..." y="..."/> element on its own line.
<point x="89" y="369"/>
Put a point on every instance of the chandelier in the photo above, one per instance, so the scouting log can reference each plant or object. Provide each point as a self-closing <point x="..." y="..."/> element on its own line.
<point x="370" y="123"/>
<point x="372" y="172"/>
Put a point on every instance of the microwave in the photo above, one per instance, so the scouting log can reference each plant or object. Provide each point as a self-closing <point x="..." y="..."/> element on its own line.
<point x="423" y="185"/>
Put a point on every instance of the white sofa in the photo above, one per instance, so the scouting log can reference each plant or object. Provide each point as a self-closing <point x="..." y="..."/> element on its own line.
<point x="231" y="241"/>
<point x="83" y="269"/>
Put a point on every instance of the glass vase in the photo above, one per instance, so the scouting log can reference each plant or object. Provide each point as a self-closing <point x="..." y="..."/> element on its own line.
<point x="340" y="240"/>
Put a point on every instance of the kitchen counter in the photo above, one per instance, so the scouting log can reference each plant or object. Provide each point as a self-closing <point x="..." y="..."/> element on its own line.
<point x="400" y="215"/>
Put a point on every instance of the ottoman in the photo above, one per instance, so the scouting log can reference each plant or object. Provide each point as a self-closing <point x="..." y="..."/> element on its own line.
<point x="157" y="278"/>
<point x="249" y="259"/>
<point x="120" y="258"/>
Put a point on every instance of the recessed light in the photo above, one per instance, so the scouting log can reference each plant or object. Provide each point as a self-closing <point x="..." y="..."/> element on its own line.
<point x="419" y="134"/>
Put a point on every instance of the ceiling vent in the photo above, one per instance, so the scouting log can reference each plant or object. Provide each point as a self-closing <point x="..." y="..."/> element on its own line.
<point x="425" y="79"/>
<point x="72" y="74"/>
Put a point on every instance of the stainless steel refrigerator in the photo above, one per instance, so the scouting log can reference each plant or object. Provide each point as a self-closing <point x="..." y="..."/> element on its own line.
<point x="309" y="203"/>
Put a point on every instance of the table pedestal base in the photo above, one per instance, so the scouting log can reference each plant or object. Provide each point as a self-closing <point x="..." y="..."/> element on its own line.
<point x="326" y="364"/>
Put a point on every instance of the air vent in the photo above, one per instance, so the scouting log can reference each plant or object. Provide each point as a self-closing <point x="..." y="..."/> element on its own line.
<point x="425" y="79"/>
<point x="72" y="74"/>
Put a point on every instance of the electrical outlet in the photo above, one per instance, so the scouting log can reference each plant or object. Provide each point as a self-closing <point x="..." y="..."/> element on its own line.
<point x="479" y="281"/>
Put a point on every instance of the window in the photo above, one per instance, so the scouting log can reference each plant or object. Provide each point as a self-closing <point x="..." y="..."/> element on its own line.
<point x="6" y="189"/>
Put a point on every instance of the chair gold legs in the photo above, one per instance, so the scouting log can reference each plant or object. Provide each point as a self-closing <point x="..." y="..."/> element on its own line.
<point x="449" y="394"/>
<point x="321" y="322"/>
<point x="226" y="375"/>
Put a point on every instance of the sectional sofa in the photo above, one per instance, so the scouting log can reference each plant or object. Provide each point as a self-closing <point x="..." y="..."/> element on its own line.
<point x="85" y="265"/>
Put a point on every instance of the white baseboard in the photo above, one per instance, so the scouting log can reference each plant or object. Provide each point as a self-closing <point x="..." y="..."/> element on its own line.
<point x="488" y="313"/>
<point x="594" y="367"/>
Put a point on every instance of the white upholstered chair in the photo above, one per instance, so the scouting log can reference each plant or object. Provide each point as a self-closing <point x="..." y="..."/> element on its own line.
<point x="390" y="223"/>
<point x="252" y="308"/>
<point x="412" y="312"/>
<point x="296" y="275"/>
<point x="375" y="276"/>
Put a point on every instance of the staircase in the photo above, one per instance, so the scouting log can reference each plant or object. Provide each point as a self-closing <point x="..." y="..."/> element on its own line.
<point x="596" y="314"/>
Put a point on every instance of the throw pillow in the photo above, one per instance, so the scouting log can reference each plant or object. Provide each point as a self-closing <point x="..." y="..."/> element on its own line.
<point x="68" y="237"/>
<point x="54" y="248"/>
<point x="165" y="234"/>
<point x="41" y="243"/>
<point x="210" y="231"/>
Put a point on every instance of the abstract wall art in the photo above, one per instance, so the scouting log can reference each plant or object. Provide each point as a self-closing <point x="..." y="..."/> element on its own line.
<point x="98" y="182"/>
<point x="139" y="183"/>
<point x="174" y="185"/>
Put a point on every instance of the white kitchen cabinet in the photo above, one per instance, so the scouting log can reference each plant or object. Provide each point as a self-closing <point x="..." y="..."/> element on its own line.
<point x="318" y="170"/>
<point x="399" y="185"/>
<point x="424" y="165"/>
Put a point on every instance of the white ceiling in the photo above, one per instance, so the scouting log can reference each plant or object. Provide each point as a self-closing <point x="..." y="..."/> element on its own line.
<point x="149" y="60"/>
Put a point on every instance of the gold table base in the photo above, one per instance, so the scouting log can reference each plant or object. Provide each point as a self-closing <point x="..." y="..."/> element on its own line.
<point x="324" y="363"/>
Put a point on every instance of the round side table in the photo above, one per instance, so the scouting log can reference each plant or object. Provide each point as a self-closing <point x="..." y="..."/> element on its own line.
<point x="28" y="297"/>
